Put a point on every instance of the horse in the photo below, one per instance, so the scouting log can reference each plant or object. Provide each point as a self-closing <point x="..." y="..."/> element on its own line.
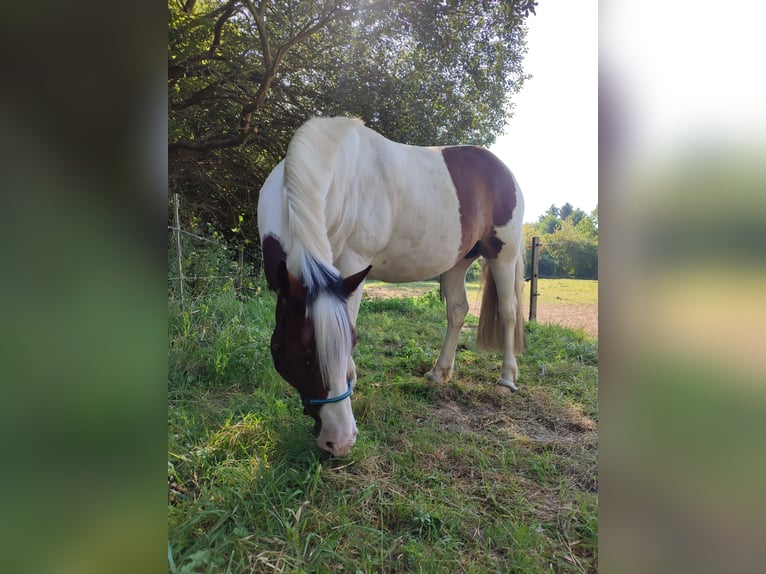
<point x="346" y="204"/>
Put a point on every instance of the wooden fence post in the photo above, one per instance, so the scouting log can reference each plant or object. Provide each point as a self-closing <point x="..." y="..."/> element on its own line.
<point x="533" y="283"/>
<point x="178" y="247"/>
<point x="238" y="281"/>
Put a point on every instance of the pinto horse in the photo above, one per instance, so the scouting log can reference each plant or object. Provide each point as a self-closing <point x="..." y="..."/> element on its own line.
<point x="346" y="204"/>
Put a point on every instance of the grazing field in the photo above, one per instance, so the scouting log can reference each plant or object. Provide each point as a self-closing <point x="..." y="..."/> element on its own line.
<point x="463" y="477"/>
<point x="568" y="302"/>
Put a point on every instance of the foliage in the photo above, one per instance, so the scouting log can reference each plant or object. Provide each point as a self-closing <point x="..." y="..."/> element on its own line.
<point x="458" y="476"/>
<point x="210" y="263"/>
<point x="242" y="76"/>
<point x="570" y="243"/>
<point x="474" y="271"/>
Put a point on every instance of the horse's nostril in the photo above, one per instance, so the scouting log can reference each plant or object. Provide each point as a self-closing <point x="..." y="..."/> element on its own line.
<point x="330" y="445"/>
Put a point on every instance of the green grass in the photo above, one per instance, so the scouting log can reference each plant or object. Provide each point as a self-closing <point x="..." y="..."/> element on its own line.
<point x="463" y="476"/>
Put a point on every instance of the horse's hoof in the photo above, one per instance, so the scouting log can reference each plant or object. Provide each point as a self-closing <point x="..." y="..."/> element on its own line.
<point x="508" y="384"/>
<point x="435" y="378"/>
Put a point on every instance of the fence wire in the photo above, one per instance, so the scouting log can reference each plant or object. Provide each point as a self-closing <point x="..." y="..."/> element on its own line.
<point x="208" y="240"/>
<point x="241" y="277"/>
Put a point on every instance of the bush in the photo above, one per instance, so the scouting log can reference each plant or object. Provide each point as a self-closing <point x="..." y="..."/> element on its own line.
<point x="210" y="264"/>
<point x="571" y="251"/>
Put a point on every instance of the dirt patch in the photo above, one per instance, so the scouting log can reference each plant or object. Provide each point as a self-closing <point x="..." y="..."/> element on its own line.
<point x="528" y="415"/>
<point x="574" y="316"/>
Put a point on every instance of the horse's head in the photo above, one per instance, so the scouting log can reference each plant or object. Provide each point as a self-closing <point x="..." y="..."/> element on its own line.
<point x="320" y="373"/>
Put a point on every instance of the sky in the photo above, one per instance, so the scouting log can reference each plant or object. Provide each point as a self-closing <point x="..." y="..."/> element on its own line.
<point x="551" y="142"/>
<point x="680" y="95"/>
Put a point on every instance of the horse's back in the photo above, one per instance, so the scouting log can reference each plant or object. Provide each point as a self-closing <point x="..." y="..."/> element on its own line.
<point x="398" y="207"/>
<point x="419" y="210"/>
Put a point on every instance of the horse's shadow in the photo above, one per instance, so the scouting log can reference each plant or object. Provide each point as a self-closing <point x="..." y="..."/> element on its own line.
<point x="295" y="446"/>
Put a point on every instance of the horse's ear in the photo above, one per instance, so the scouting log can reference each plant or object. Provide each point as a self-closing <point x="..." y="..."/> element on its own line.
<point x="351" y="282"/>
<point x="288" y="284"/>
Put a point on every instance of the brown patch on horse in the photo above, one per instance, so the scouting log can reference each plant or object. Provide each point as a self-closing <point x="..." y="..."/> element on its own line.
<point x="273" y="253"/>
<point x="487" y="196"/>
<point x="293" y="343"/>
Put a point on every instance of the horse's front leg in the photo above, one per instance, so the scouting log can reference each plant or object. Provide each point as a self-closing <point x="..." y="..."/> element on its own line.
<point x="352" y="305"/>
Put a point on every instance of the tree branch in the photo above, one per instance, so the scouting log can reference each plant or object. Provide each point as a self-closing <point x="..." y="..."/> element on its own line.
<point x="260" y="24"/>
<point x="227" y="13"/>
<point x="271" y="62"/>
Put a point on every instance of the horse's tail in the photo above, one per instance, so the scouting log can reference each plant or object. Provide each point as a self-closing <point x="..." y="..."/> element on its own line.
<point x="490" y="334"/>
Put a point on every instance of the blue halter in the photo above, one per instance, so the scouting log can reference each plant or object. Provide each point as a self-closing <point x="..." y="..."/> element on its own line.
<point x="345" y="395"/>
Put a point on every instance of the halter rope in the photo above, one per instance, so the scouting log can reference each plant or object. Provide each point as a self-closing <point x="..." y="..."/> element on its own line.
<point x="345" y="395"/>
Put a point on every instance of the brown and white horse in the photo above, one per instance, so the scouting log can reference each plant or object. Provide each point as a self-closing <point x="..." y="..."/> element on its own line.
<point x="346" y="204"/>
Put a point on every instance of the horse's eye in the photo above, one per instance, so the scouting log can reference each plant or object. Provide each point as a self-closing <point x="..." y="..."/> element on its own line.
<point x="309" y="363"/>
<point x="275" y="347"/>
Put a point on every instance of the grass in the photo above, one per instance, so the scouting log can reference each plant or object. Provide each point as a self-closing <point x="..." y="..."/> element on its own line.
<point x="568" y="291"/>
<point x="463" y="476"/>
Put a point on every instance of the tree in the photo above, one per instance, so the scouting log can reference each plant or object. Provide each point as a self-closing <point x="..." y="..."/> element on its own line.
<point x="244" y="74"/>
<point x="548" y="224"/>
<point x="586" y="228"/>
<point x="576" y="216"/>
<point x="569" y="240"/>
<point x="576" y="256"/>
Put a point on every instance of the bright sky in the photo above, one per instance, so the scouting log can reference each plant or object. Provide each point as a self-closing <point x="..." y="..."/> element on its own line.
<point x="686" y="73"/>
<point x="551" y="142"/>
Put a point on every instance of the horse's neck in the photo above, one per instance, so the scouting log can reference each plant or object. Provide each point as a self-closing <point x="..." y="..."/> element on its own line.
<point x="310" y="165"/>
<point x="307" y="229"/>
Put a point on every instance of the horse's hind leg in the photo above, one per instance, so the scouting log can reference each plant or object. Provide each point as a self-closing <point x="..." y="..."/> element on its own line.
<point x="453" y="289"/>
<point x="508" y="276"/>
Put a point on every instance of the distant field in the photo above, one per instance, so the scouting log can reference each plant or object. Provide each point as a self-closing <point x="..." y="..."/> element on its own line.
<point x="567" y="292"/>
<point x="568" y="302"/>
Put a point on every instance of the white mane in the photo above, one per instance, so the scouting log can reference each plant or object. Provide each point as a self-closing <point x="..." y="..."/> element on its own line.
<point x="308" y="176"/>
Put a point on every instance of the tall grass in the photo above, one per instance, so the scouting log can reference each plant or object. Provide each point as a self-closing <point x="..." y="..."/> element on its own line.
<point x="463" y="476"/>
